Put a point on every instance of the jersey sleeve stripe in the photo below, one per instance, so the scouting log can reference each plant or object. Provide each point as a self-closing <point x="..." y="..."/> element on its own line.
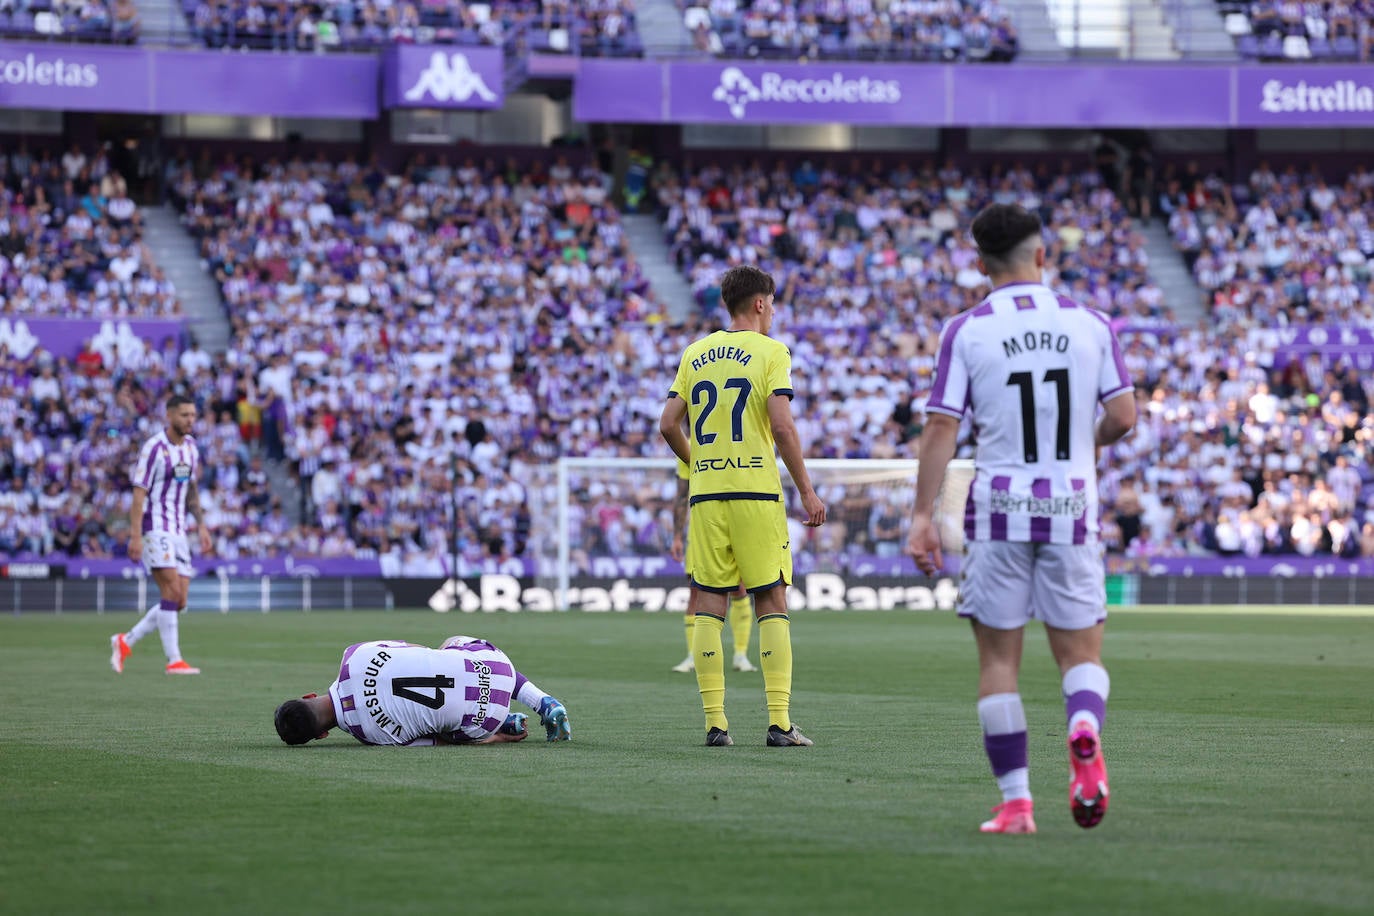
<point x="1115" y="391"/>
<point x="947" y="411"/>
<point x="937" y="395"/>
<point x="785" y="392"/>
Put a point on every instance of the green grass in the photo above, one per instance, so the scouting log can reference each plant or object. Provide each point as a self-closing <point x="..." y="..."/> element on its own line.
<point x="1241" y="749"/>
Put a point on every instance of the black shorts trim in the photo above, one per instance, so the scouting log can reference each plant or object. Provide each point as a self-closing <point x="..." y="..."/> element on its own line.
<point x="759" y="589"/>
<point x="729" y="589"/>
<point x="772" y="617"/>
<point x="712" y="497"/>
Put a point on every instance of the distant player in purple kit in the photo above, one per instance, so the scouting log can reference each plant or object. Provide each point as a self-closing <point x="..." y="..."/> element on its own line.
<point x="397" y="693"/>
<point x="165" y="491"/>
<point x="1029" y="367"/>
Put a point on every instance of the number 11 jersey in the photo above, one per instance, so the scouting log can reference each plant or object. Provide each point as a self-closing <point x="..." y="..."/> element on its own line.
<point x="1030" y="367"/>
<point x="398" y="693"/>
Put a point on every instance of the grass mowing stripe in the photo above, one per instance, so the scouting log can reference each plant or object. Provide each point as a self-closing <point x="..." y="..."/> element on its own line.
<point x="1232" y="788"/>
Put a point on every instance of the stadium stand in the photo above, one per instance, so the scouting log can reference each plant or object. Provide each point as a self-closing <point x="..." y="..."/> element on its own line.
<point x="1279" y="30"/>
<point x="70" y="20"/>
<point x="933" y="30"/>
<point x="598" y="28"/>
<point x="395" y="330"/>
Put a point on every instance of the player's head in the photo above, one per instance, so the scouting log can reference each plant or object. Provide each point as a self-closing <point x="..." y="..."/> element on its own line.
<point x="1008" y="240"/>
<point x="297" y="722"/>
<point x="181" y="413"/>
<point x="745" y="288"/>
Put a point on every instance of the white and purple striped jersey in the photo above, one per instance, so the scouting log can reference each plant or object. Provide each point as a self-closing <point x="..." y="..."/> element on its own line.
<point x="167" y="472"/>
<point x="396" y="692"/>
<point x="1029" y="367"/>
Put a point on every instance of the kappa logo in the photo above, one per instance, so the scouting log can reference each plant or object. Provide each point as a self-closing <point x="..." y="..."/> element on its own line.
<point x="449" y="78"/>
<point x="736" y="90"/>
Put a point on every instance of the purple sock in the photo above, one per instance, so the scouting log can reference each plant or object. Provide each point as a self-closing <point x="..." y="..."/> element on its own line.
<point x="168" y="605"/>
<point x="1006" y="752"/>
<point x="1088" y="701"/>
<point x="520" y="681"/>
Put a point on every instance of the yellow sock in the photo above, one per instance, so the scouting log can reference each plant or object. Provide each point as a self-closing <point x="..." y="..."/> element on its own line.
<point x="710" y="659"/>
<point x="689" y="619"/>
<point x="775" y="657"/>
<point x="741" y="623"/>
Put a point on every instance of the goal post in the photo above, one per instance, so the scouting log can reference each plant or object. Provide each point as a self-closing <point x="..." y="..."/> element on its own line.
<point x="615" y="514"/>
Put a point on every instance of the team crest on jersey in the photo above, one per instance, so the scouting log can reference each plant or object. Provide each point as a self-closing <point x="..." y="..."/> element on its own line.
<point x="181" y="472"/>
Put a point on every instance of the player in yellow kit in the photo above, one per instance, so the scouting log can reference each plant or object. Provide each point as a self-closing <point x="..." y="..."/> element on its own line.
<point x="734" y="389"/>
<point x="741" y="606"/>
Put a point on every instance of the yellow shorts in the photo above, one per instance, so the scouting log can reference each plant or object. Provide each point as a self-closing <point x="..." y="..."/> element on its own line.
<point x="734" y="541"/>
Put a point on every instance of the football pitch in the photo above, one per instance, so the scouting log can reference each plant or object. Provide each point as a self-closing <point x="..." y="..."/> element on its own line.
<point x="1240" y="747"/>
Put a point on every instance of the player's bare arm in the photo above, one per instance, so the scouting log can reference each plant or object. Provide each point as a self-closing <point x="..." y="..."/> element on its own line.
<point x="789" y="448"/>
<point x="136" y="524"/>
<point x="938" y="442"/>
<point x="670" y="427"/>
<point x="193" y="508"/>
<point x="679" y="548"/>
<point x="1118" y="418"/>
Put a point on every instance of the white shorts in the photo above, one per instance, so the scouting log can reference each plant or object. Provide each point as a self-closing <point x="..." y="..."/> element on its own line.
<point x="164" y="550"/>
<point x="1006" y="584"/>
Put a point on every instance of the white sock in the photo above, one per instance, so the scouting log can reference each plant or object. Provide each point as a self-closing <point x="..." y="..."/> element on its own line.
<point x="167" y="628"/>
<point x="1003" y="718"/>
<point x="530" y="695"/>
<point x="146" y="625"/>
<point x="1015" y="784"/>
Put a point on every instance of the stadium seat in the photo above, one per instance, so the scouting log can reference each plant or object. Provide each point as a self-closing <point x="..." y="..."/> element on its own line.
<point x="47" y="23"/>
<point x="1237" y="24"/>
<point x="1295" y="47"/>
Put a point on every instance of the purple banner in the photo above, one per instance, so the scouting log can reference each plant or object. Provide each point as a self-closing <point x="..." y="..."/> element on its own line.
<point x="805" y="93"/>
<point x="1321" y="96"/>
<point x="298" y="567"/>
<point x="1049" y="96"/>
<point x="430" y="76"/>
<point x="1350" y="346"/>
<point x="1142" y="95"/>
<point x="299" y="85"/>
<point x="65" y="336"/>
<point x="74" y="77"/>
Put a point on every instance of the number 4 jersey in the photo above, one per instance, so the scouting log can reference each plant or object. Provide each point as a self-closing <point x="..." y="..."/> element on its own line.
<point x="1030" y="367"/>
<point x="400" y="693"/>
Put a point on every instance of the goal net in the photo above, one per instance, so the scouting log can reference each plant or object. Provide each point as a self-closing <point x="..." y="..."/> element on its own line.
<point x="611" y="518"/>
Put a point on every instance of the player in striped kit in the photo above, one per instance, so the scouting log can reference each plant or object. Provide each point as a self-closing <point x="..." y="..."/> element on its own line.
<point x="165" y="492"/>
<point x="398" y="693"/>
<point x="1029" y="368"/>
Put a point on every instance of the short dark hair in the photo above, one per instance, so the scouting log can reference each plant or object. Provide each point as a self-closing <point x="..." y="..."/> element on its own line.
<point x="178" y="400"/>
<point x="741" y="284"/>
<point x="296" y="723"/>
<point x="999" y="228"/>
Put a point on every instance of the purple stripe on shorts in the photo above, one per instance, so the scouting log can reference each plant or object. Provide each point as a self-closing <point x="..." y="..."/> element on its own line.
<point x="1080" y="524"/>
<point x="1024" y="303"/>
<point x="1000" y="484"/>
<point x="971" y="510"/>
<point x="499" y="697"/>
<point x="1006" y="752"/>
<point x="1040" y="524"/>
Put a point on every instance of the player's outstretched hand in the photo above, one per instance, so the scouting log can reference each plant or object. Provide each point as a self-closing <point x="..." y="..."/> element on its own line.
<point x="513" y="729"/>
<point x="923" y="545"/>
<point x="814" y="509"/>
<point x="205" y="543"/>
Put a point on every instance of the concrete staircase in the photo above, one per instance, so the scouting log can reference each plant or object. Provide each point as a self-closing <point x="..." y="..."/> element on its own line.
<point x="162" y="22"/>
<point x="1035" y="30"/>
<point x="177" y="254"/>
<point x="660" y="27"/>
<point x="1200" y="31"/>
<point x="644" y="237"/>
<point x="1171" y="275"/>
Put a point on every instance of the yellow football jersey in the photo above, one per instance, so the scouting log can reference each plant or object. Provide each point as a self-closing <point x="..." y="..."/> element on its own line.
<point x="726" y="380"/>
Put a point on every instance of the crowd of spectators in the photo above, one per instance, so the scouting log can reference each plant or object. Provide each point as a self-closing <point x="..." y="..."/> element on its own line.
<point x="1296" y="30"/>
<point x="605" y="27"/>
<point x="419" y="345"/>
<point x="932" y="30"/>
<point x="70" y="20"/>
<point x="71" y="240"/>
